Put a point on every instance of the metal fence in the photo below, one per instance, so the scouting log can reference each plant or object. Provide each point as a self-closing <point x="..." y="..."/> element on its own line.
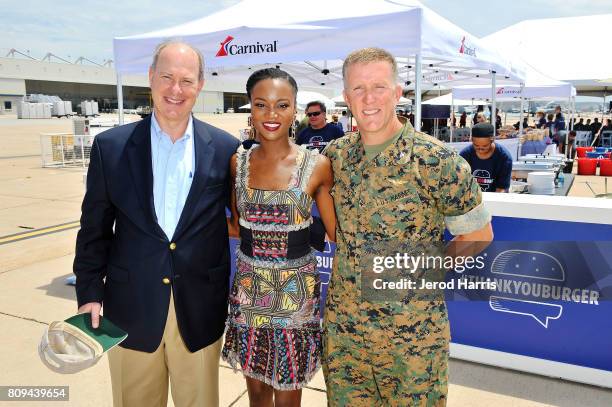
<point x="65" y="150"/>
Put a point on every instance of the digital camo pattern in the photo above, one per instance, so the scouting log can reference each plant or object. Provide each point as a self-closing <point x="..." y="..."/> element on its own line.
<point x="389" y="353"/>
<point x="274" y="329"/>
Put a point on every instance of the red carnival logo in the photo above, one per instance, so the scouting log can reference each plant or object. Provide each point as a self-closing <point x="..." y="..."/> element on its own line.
<point x="224" y="45"/>
<point x="464" y="49"/>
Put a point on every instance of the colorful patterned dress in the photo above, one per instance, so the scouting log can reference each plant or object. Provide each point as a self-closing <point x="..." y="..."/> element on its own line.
<point x="274" y="329"/>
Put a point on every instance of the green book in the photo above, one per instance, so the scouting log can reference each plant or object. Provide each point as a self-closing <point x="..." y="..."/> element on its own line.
<point x="108" y="335"/>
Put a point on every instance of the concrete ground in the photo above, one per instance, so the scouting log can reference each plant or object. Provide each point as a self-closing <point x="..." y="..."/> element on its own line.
<point x="44" y="203"/>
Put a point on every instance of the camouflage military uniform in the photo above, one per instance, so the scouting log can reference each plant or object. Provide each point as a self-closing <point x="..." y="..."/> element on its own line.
<point x="392" y="353"/>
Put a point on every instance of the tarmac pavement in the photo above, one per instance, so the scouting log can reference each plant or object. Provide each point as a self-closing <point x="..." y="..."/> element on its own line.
<point x="44" y="203"/>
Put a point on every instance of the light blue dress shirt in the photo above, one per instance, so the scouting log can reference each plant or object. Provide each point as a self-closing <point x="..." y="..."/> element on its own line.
<point x="173" y="169"/>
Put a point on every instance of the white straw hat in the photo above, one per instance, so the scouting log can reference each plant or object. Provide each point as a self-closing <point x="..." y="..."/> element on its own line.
<point x="73" y="345"/>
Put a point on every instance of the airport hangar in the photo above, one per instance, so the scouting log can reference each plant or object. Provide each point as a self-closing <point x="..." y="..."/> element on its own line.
<point x="77" y="82"/>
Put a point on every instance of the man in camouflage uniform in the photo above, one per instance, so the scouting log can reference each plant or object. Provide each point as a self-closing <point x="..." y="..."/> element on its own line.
<point x="390" y="184"/>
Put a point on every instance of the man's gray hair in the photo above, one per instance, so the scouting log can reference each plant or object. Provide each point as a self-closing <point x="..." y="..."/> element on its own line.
<point x="160" y="47"/>
<point x="367" y="55"/>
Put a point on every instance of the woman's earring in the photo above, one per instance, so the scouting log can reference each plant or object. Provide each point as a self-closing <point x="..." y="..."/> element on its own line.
<point x="292" y="131"/>
<point x="252" y="131"/>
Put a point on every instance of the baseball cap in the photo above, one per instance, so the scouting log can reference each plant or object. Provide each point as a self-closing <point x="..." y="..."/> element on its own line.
<point x="72" y="345"/>
<point x="482" y="130"/>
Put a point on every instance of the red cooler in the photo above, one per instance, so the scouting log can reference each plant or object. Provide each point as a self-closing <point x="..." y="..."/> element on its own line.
<point x="587" y="166"/>
<point x="581" y="151"/>
<point x="605" y="168"/>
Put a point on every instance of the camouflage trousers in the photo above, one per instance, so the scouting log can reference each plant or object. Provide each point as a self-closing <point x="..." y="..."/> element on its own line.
<point x="390" y="367"/>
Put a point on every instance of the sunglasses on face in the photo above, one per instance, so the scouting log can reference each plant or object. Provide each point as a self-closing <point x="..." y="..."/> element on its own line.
<point x="315" y="114"/>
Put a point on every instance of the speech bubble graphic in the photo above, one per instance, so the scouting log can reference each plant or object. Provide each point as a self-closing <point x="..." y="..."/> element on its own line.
<point x="528" y="264"/>
<point x="540" y="311"/>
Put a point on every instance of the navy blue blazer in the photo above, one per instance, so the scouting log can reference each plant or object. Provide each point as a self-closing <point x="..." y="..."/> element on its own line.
<point x="123" y="258"/>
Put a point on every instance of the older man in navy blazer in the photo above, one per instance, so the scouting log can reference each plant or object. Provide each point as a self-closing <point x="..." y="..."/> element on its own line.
<point x="153" y="250"/>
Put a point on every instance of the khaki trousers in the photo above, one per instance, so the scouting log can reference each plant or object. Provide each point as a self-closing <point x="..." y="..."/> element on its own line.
<point x="141" y="378"/>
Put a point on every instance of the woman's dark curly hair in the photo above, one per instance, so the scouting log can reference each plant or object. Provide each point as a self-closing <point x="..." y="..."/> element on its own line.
<point x="269" y="73"/>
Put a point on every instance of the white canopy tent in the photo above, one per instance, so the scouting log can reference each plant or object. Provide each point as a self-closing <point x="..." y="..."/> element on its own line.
<point x="312" y="41"/>
<point x="536" y="86"/>
<point x="447" y="100"/>
<point x="575" y="53"/>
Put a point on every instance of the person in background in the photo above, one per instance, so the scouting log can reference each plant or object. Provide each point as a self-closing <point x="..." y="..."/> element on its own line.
<point x="491" y="163"/>
<point x="587" y="127"/>
<point x="580" y="125"/>
<point x="549" y="124"/>
<point x="411" y="118"/>
<point x="344" y="121"/>
<point x="303" y="124"/>
<point x="498" y="119"/>
<point x="525" y="124"/>
<point x="480" y="118"/>
<point x="319" y="133"/>
<point x="570" y="152"/>
<point x="335" y="121"/>
<point x="479" y="109"/>
<point x="463" y="120"/>
<point x="558" y="124"/>
<point x="602" y="129"/>
<point x="607" y="127"/>
<point x="559" y="115"/>
<point x="540" y="120"/>
<point x="595" y="126"/>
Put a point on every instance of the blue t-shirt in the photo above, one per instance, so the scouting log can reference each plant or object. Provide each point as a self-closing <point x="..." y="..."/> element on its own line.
<point x="492" y="173"/>
<point x="319" y="138"/>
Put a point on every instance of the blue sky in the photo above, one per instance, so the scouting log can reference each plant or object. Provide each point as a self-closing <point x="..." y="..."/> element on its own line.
<point x="86" y="28"/>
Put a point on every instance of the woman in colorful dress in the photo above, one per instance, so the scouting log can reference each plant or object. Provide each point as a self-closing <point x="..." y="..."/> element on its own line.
<point x="273" y="329"/>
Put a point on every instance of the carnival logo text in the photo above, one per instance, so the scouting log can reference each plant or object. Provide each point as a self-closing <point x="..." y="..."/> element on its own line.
<point x="464" y="49"/>
<point x="227" y="48"/>
<point x="439" y="77"/>
<point x="511" y="91"/>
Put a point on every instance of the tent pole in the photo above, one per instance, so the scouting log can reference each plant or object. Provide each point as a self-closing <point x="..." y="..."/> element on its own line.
<point x="120" y="98"/>
<point x="519" y="147"/>
<point x="570" y="126"/>
<point x="573" y="114"/>
<point x="603" y="107"/>
<point x="437" y="121"/>
<point x="493" y="114"/>
<point x="472" y="125"/>
<point x="452" y="114"/>
<point x="417" y="92"/>
<point x="521" y="116"/>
